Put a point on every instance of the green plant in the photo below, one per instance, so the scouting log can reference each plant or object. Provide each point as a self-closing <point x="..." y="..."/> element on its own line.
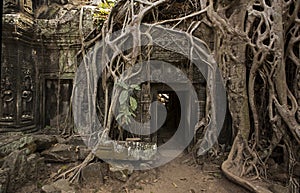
<point x="102" y="12"/>
<point x="128" y="104"/>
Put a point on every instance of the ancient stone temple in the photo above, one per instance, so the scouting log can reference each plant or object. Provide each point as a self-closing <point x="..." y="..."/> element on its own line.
<point x="40" y="40"/>
<point x="18" y="67"/>
<point x="41" y="44"/>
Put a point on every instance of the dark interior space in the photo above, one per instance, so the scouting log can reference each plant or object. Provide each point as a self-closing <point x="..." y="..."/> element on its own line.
<point x="172" y="104"/>
<point x="57" y="105"/>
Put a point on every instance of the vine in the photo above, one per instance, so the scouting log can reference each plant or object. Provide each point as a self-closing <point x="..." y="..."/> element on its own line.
<point x="255" y="43"/>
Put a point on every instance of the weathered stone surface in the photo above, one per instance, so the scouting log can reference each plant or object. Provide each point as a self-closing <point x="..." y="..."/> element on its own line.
<point x="4" y="179"/>
<point x="17" y="143"/>
<point x="47" y="43"/>
<point x="17" y="112"/>
<point x="127" y="150"/>
<point x="34" y="164"/>
<point x="30" y="143"/>
<point x="50" y="189"/>
<point x="120" y="171"/>
<point x="16" y="162"/>
<point x="64" y="186"/>
<point x="60" y="186"/>
<point x="44" y="141"/>
<point x="83" y="152"/>
<point x="145" y="166"/>
<point x="75" y="140"/>
<point x="93" y="174"/>
<point x="18" y="168"/>
<point x="65" y="153"/>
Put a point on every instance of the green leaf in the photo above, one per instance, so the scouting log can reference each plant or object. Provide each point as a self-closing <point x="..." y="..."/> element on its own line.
<point x="123" y="108"/>
<point x="133" y="103"/>
<point x="122" y="85"/>
<point x="127" y="120"/>
<point x="119" y="116"/>
<point x="135" y="87"/>
<point x="123" y="97"/>
<point x="127" y="112"/>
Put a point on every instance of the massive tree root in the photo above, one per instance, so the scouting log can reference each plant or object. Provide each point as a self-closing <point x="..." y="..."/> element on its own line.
<point x="256" y="45"/>
<point x="267" y="29"/>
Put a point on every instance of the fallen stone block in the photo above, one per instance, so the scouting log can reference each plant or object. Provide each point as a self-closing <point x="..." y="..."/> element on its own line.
<point x="59" y="186"/>
<point x="65" y="153"/>
<point x="93" y="174"/>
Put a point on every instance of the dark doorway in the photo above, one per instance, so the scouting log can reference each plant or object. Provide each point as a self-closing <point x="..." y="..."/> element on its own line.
<point x="171" y="102"/>
<point x="57" y="100"/>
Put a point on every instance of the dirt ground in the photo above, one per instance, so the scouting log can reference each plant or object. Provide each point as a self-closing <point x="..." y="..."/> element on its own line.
<point x="181" y="175"/>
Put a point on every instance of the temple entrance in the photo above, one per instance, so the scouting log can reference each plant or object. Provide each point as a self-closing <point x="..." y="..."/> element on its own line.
<point x="57" y="101"/>
<point x="176" y="117"/>
<point x="170" y="101"/>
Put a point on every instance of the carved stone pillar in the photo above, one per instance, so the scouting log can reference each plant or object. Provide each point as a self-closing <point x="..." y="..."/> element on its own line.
<point x="18" y="100"/>
<point x="17" y="6"/>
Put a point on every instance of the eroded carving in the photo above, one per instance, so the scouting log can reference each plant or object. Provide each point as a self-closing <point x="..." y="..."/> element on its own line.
<point x="7" y="99"/>
<point x="10" y="6"/>
<point x="27" y="96"/>
<point x="28" y="6"/>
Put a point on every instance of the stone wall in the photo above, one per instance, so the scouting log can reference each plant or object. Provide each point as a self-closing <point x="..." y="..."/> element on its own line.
<point x="58" y="34"/>
<point x="19" y="96"/>
<point x="40" y="46"/>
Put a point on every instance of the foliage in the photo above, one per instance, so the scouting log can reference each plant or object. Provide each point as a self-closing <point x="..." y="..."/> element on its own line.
<point x="249" y="44"/>
<point x="102" y="12"/>
<point x="256" y="45"/>
<point x="127" y="103"/>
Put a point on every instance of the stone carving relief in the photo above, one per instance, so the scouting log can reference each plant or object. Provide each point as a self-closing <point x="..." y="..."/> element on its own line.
<point x="10" y="6"/>
<point x="7" y="97"/>
<point x="28" y="6"/>
<point x="27" y="96"/>
<point x="146" y="101"/>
